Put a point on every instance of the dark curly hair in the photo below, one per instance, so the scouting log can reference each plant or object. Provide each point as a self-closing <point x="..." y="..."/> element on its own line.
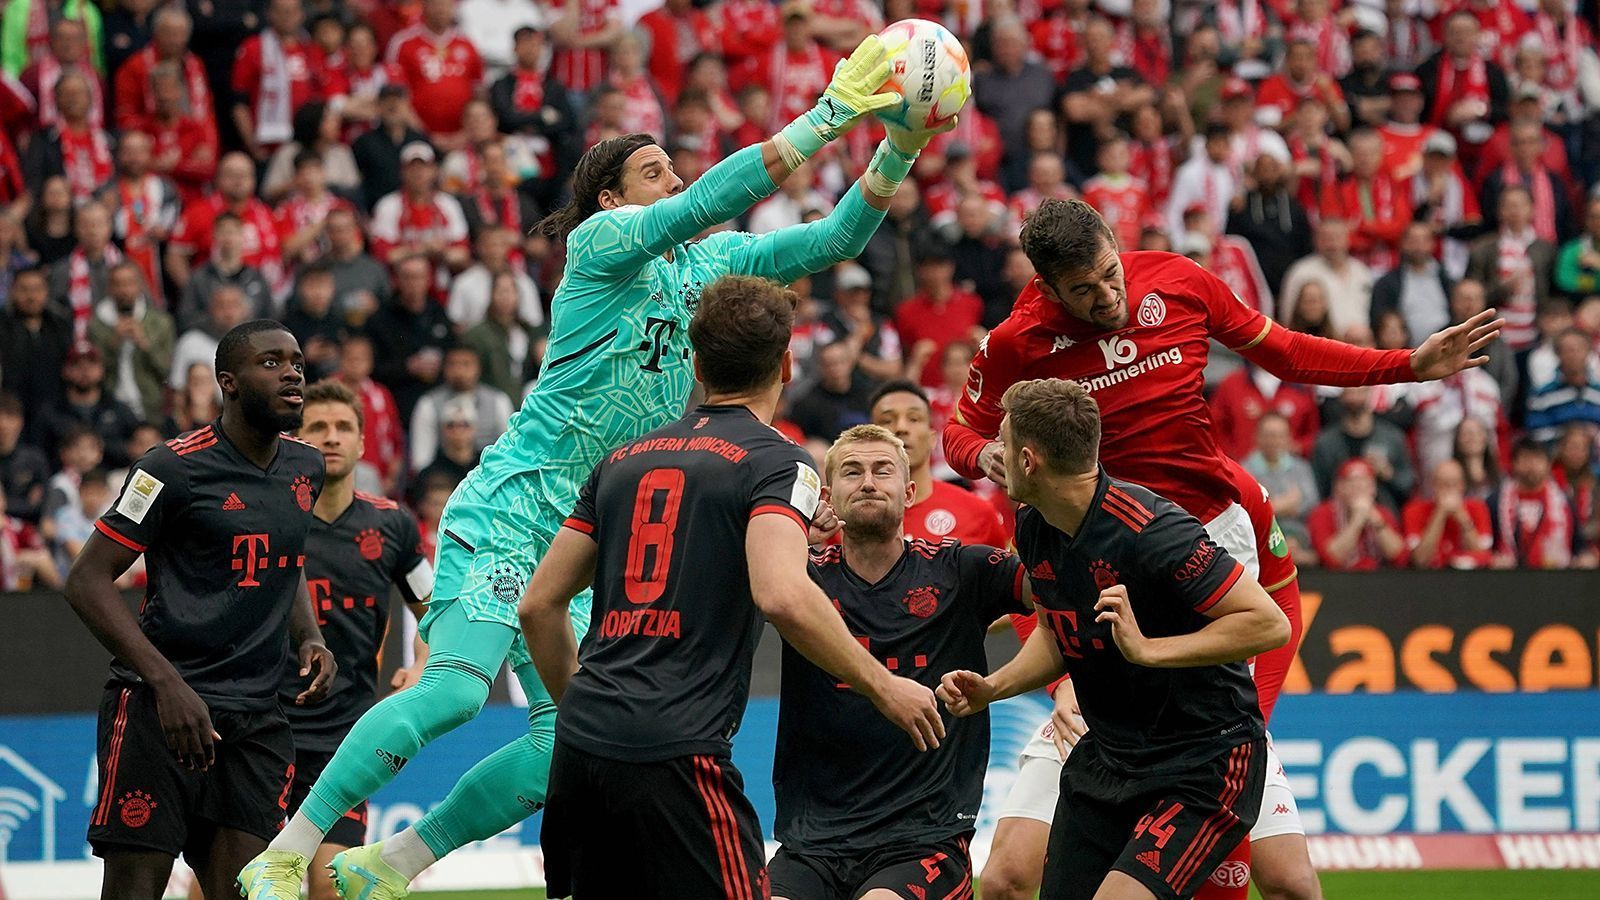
<point x="1064" y="236"/>
<point x="600" y="169"/>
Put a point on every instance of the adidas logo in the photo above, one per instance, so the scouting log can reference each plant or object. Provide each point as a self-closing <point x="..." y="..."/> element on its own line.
<point x="233" y="502"/>
<point x="1152" y="859"/>
<point x="1043" y="571"/>
<point x="394" y="762"/>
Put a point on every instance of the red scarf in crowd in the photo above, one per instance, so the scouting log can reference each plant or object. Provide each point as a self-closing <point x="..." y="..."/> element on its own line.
<point x="136" y="205"/>
<point x="80" y="290"/>
<point x="1514" y="270"/>
<point x="1473" y="86"/>
<point x="1239" y="21"/>
<point x="1544" y="198"/>
<point x="86" y="159"/>
<point x="1152" y="163"/>
<point x="1376" y="201"/>
<point x="1545" y="543"/>
<point x="1565" y="43"/>
<point x="50" y="72"/>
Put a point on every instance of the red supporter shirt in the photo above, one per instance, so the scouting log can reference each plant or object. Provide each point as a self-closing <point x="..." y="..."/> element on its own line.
<point x="954" y="512"/>
<point x="11" y="184"/>
<point x="397" y="221"/>
<point x="582" y="69"/>
<point x="196" y="147"/>
<point x="302" y="62"/>
<point x="1402" y="148"/>
<point x="1325" y="522"/>
<point x="749" y="31"/>
<point x="135" y="99"/>
<point x="1279" y="92"/>
<point x="261" y="247"/>
<point x="920" y="319"/>
<point x="674" y="41"/>
<point x="1123" y="202"/>
<point x="441" y="70"/>
<point x="1453" y="552"/>
<point x="1238" y="406"/>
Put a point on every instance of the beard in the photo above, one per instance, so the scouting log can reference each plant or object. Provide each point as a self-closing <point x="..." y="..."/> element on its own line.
<point x="871" y="523"/>
<point x="258" y="411"/>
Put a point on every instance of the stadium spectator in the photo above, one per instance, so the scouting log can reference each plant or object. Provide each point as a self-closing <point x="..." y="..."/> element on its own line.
<point x="24" y="560"/>
<point x="384" y="435"/>
<point x="457" y="449"/>
<point x="316" y="132"/>
<point x="71" y="524"/>
<point x="1401" y="130"/>
<point x="419" y="221"/>
<point x="184" y="150"/>
<point x="1514" y="265"/>
<point x="1310" y="310"/>
<point x="1351" y="531"/>
<point x="509" y="348"/>
<point x="1552" y="212"/>
<point x="1464" y="89"/>
<point x="74" y="147"/>
<point x="462" y="170"/>
<point x="1418" y="288"/>
<point x="79" y="452"/>
<point x="873" y="338"/>
<point x="462" y="384"/>
<point x="498" y="201"/>
<point x="314" y="321"/>
<point x="361" y="283"/>
<point x="302" y="217"/>
<point x="1249" y="394"/>
<point x="126" y="30"/>
<point x="1287" y="476"/>
<point x="678" y="30"/>
<point x="278" y="71"/>
<point x="533" y="107"/>
<point x="1535" y="526"/>
<point x="939" y="509"/>
<point x="1010" y="91"/>
<point x="1098" y="93"/>
<point x="1550" y="154"/>
<point x="197" y="346"/>
<point x="1442" y="197"/>
<point x="409" y="335"/>
<point x="135" y="85"/>
<point x="1572" y="396"/>
<point x="938" y="314"/>
<point x="1575" y="470"/>
<point x="888" y="255"/>
<point x="1301" y="80"/>
<point x="225" y="267"/>
<point x="1467" y="299"/>
<point x="1123" y="200"/>
<point x="982" y="235"/>
<point x="67" y="52"/>
<point x="583" y="32"/>
<point x="1047" y="180"/>
<point x="197" y="404"/>
<point x="1448" y="529"/>
<point x="1346" y="281"/>
<point x="144" y="207"/>
<point x="1474" y="448"/>
<point x="24" y="470"/>
<point x="493" y="27"/>
<point x="1577" y="271"/>
<point x="1409" y="40"/>
<point x="1373" y="201"/>
<point x="1368" y="89"/>
<point x="50" y="225"/>
<point x="470" y="291"/>
<point x="34" y="339"/>
<point x="136" y="339"/>
<point x="1358" y="433"/>
<point x="77" y="279"/>
<point x="377" y="152"/>
<point x="190" y="246"/>
<point x="796" y="196"/>
<point x="1206" y="181"/>
<point x="839" y="399"/>
<point x="1267" y="215"/>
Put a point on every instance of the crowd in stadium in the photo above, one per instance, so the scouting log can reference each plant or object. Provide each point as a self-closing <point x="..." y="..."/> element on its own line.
<point x="371" y="173"/>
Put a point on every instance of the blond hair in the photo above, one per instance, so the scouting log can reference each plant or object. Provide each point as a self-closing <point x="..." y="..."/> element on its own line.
<point x="1058" y="419"/>
<point x="864" y="434"/>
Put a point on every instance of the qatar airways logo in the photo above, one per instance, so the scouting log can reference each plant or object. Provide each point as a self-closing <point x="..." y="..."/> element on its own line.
<point x="1119" y="352"/>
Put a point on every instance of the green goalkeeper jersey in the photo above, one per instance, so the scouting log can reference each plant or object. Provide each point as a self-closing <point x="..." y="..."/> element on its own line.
<point x="618" y="361"/>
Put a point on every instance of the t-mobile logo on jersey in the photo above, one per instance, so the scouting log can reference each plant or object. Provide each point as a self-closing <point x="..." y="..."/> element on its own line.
<point x="660" y="332"/>
<point x="1118" y="351"/>
<point x="256" y="549"/>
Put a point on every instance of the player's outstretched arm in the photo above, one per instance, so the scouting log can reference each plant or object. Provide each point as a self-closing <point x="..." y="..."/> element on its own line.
<point x="1243" y="623"/>
<point x="316" y="660"/>
<point x="1037" y="664"/>
<point x="1308" y="359"/>
<point x="566" y="569"/>
<point x="793" y="603"/>
<point x="92" y="594"/>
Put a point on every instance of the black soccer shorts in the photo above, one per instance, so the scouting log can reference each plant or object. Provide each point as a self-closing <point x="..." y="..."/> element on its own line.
<point x="1169" y="832"/>
<point x="938" y="870"/>
<point x="351" y="829"/>
<point x="149" y="801"/>
<point x="679" y="829"/>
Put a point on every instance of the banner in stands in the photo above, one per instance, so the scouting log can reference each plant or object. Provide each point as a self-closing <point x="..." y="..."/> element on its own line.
<point x="1448" y="631"/>
<point x="1406" y="780"/>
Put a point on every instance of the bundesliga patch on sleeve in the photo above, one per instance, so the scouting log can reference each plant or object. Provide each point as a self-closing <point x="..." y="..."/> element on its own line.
<point x="140" y="494"/>
<point x="807" y="491"/>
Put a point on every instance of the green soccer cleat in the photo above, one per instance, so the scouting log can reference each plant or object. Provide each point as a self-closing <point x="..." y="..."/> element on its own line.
<point x="274" y="875"/>
<point x="361" y="874"/>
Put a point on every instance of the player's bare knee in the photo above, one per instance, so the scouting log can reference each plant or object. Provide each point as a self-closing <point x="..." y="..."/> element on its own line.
<point x="1300" y="883"/>
<point x="879" y="894"/>
<point x="1003" y="879"/>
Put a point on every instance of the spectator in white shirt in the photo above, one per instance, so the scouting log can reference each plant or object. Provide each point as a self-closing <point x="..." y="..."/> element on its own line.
<point x="469" y="293"/>
<point x="462" y="375"/>
<point x="1348" y="280"/>
<point x="227" y="307"/>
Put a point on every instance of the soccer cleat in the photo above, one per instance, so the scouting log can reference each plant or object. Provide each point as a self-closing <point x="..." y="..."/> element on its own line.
<point x="361" y="874"/>
<point x="274" y="875"/>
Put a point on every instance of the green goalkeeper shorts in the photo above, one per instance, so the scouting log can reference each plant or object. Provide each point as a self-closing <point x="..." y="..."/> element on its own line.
<point x="489" y="543"/>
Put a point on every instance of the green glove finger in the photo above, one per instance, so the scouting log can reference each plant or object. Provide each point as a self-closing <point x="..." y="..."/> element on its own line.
<point x="874" y="102"/>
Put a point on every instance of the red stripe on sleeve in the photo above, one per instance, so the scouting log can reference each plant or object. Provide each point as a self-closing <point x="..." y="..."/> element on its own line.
<point x="780" y="509"/>
<point x="1222" y="589"/>
<point x="110" y="532"/>
<point x="579" y="525"/>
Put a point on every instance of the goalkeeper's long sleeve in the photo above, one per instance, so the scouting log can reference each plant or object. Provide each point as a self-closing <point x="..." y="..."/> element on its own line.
<point x="789" y="253"/>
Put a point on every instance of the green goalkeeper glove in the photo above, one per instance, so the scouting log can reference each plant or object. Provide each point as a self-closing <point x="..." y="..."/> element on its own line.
<point x="849" y="96"/>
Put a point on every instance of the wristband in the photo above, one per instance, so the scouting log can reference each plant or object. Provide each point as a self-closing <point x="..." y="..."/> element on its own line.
<point x="889" y="167"/>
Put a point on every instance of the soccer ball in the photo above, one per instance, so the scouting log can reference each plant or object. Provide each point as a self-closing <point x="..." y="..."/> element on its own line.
<point x="929" y="68"/>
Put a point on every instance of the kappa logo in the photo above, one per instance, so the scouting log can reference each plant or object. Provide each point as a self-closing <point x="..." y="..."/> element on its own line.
<point x="1232" y="874"/>
<point x="232" y="503"/>
<point x="394" y="761"/>
<point x="1104" y="576"/>
<point x="506" y="583"/>
<point x="302" y="492"/>
<point x="135" y="807"/>
<point x="1281" y="810"/>
<point x="1152" y="311"/>
<point x="1042" y="572"/>
<point x="1062" y="342"/>
<point x="370" y="541"/>
<point x="921" y="602"/>
<point x="1151" y="859"/>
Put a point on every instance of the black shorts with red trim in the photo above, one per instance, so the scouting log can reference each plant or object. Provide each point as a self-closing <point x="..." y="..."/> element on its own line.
<point x="938" y="870"/>
<point x="1169" y="832"/>
<point x="150" y="801"/>
<point x="679" y="829"/>
<point x="351" y="829"/>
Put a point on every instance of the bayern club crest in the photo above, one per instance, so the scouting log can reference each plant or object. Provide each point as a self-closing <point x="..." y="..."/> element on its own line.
<point x="922" y="602"/>
<point x="1152" y="311"/>
<point x="302" y="492"/>
<point x="1104" y="576"/>
<point x="370" y="542"/>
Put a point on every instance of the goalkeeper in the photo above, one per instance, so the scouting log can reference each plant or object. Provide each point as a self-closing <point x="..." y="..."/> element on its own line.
<point x="617" y="367"/>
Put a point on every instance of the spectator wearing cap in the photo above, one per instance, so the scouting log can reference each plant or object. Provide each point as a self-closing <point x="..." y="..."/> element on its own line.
<point x="377" y="152"/>
<point x="535" y="111"/>
<point x="419" y="221"/>
<point x="1572" y="396"/>
<point x="1418" y="288"/>
<point x="1368" y="89"/>
<point x="277" y="72"/>
<point x="84" y="402"/>
<point x="456" y="451"/>
<point x="1268" y="216"/>
<point x="441" y="67"/>
<point x="1525" y="167"/>
<point x="1514" y="264"/>
<point x="24" y="469"/>
<point x="1402" y="131"/>
<point x="1207" y="179"/>
<point x="136" y="339"/>
<point x="1448" y="529"/>
<point x="461" y="385"/>
<point x="1357" y="433"/>
<point x="1535" y="525"/>
<point x="197" y="346"/>
<point x="1098" y="93"/>
<point x="872" y="338"/>
<point x="1463" y="89"/>
<point x="34" y="339"/>
<point x="1346" y="280"/>
<point x="1373" y="201"/>
<point x="509" y="348"/>
<point x="470" y="291"/>
<point x="1577" y="270"/>
<point x="409" y="335"/>
<point x="1351" y="531"/>
<point x="1300" y="80"/>
<point x="939" y="314"/>
<point x="493" y="28"/>
<point x="225" y="268"/>
<point x="1442" y="197"/>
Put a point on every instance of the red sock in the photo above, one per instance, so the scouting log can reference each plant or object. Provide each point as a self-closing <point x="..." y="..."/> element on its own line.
<point x="1272" y="667"/>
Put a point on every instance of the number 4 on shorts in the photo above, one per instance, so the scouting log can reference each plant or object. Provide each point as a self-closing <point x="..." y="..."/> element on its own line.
<point x="1156" y="824"/>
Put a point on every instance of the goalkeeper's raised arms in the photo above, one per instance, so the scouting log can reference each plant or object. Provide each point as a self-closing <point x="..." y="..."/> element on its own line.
<point x="850" y="95"/>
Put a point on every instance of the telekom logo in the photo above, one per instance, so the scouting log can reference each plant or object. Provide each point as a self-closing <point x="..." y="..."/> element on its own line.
<point x="1118" y="351"/>
<point x="254" y="557"/>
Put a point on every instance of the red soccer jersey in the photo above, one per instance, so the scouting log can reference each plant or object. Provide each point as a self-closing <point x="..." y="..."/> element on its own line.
<point x="1123" y="202"/>
<point x="920" y="319"/>
<point x="1402" y="148"/>
<point x="261" y="247"/>
<point x="1148" y="376"/>
<point x="135" y="99"/>
<point x="194" y="145"/>
<point x="302" y="65"/>
<point x="441" y="70"/>
<point x="581" y="69"/>
<point x="954" y="512"/>
<point x="1453" y="552"/>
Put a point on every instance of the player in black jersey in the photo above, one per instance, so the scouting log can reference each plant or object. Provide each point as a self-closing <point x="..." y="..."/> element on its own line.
<point x="860" y="814"/>
<point x="359" y="546"/>
<point x="1153" y="621"/>
<point x="685" y="533"/>
<point x="195" y="754"/>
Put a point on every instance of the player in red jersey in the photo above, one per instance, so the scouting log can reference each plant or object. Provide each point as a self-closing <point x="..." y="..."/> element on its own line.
<point x="941" y="509"/>
<point x="1143" y="360"/>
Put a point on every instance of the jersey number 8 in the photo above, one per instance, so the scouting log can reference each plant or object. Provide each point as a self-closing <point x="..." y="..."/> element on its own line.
<point x="650" y="539"/>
